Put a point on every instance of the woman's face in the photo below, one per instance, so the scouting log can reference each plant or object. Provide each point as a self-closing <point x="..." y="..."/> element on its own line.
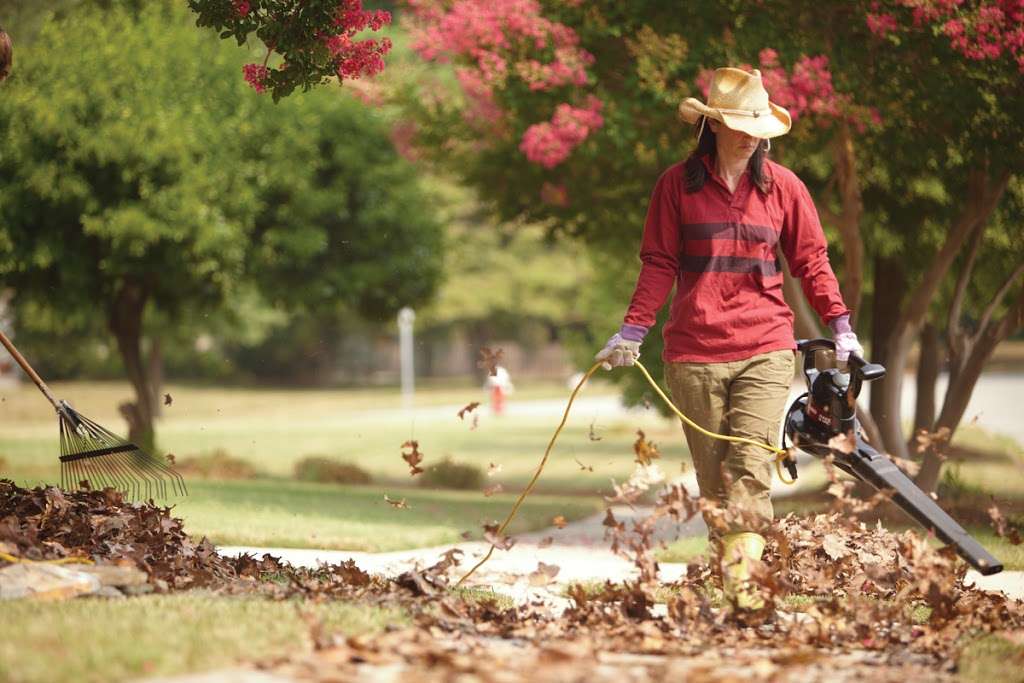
<point x="733" y="144"/>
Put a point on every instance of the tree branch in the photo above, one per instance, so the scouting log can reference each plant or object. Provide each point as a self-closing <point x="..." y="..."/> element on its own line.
<point x="848" y="220"/>
<point x="983" y="194"/>
<point x="954" y="330"/>
<point x="986" y="317"/>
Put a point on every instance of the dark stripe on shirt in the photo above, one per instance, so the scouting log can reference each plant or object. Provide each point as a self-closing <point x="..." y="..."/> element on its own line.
<point x="742" y="232"/>
<point x="727" y="264"/>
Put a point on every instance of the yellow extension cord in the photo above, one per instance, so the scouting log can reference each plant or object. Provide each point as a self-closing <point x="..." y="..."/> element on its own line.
<point x="780" y="453"/>
<point x="64" y="560"/>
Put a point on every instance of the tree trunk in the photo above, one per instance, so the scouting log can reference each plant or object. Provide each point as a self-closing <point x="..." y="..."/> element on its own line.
<point x="927" y="374"/>
<point x="885" y="311"/>
<point x="962" y="383"/>
<point x="848" y="220"/>
<point x="983" y="193"/>
<point x="125" y="323"/>
<point x="155" y="373"/>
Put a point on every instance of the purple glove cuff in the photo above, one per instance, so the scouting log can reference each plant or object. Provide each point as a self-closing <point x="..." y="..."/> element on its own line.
<point x="633" y="333"/>
<point x="840" y="325"/>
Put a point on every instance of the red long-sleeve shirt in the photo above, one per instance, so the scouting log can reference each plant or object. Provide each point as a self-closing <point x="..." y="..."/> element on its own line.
<point x="718" y="248"/>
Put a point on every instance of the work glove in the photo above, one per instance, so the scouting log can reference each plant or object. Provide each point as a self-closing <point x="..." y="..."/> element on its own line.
<point x="845" y="339"/>
<point x="623" y="348"/>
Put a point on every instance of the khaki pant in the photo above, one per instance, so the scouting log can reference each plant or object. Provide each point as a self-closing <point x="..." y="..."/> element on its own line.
<point x="740" y="398"/>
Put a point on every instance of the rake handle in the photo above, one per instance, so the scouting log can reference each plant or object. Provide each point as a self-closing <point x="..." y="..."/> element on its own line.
<point x="28" y="369"/>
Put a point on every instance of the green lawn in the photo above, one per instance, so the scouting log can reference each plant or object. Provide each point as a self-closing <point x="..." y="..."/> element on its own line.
<point x="85" y="640"/>
<point x="305" y="515"/>
<point x="274" y="428"/>
<point x="992" y="658"/>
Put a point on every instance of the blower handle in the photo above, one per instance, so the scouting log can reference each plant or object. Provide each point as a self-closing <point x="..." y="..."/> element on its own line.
<point x="28" y="370"/>
<point x="860" y="370"/>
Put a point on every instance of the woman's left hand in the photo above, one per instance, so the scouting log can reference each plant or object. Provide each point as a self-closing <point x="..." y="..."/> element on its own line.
<point x="845" y="339"/>
<point x="846" y="343"/>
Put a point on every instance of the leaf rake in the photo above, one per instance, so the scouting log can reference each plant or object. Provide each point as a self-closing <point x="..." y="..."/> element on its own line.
<point x="94" y="457"/>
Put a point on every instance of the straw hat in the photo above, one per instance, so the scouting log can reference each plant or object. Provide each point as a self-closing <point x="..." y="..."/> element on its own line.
<point x="738" y="99"/>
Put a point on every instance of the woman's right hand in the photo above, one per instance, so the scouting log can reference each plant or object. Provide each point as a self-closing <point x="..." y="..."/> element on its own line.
<point x="618" y="352"/>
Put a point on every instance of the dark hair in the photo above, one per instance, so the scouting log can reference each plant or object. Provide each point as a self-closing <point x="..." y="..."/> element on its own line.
<point x="5" y="55"/>
<point x="696" y="173"/>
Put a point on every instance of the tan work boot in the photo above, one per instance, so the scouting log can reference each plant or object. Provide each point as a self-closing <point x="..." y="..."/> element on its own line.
<point x="738" y="550"/>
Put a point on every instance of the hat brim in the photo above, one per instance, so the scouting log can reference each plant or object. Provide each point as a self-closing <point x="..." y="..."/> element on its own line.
<point x="770" y="126"/>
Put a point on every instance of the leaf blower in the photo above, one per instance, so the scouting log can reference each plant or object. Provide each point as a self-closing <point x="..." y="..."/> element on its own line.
<point x="828" y="410"/>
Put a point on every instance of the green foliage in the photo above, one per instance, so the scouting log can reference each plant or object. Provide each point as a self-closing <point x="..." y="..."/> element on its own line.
<point x="328" y="470"/>
<point x="118" y="170"/>
<point x="449" y="474"/>
<point x="143" y="178"/>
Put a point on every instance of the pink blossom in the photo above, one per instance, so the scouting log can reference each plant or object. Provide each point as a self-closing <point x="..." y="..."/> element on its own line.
<point x="549" y="143"/>
<point x="241" y="7"/>
<point x="498" y="40"/>
<point x="881" y="24"/>
<point x="768" y="57"/>
<point x="256" y="75"/>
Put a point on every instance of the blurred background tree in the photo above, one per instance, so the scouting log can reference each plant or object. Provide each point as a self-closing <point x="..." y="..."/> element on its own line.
<point x="146" y="189"/>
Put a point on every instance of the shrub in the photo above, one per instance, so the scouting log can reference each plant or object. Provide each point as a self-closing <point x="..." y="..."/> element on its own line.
<point x="218" y="464"/>
<point x="323" y="469"/>
<point x="449" y="474"/>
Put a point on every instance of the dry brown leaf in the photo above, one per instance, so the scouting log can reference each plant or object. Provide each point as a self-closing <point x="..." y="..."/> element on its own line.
<point x="543" y="575"/>
<point x="834" y="546"/>
<point x="645" y="450"/>
<point x="490" y="360"/>
<point x="937" y="440"/>
<point x="397" y="504"/>
<point x="545" y="542"/>
<point x="492" y="489"/>
<point x="843" y="443"/>
<point x="168" y="400"/>
<point x="1002" y="526"/>
<point x="468" y="408"/>
<point x="413" y="457"/>
<point x="592" y="435"/>
<point x="497" y="539"/>
<point x="559" y="521"/>
<point x="611" y="522"/>
<point x="584" y="468"/>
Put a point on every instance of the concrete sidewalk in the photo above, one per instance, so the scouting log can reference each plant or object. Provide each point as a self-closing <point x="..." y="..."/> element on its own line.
<point x="579" y="550"/>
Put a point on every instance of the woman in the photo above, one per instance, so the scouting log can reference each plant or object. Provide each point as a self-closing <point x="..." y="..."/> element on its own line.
<point x="712" y="228"/>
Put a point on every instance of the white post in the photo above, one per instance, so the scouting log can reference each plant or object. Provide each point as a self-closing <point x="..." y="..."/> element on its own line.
<point x="406" y="316"/>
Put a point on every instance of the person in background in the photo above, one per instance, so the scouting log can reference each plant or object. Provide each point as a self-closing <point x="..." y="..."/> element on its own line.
<point x="499" y="385"/>
<point x="712" y="229"/>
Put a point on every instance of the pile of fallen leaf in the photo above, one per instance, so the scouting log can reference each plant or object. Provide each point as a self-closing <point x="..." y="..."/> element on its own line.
<point x="48" y="524"/>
